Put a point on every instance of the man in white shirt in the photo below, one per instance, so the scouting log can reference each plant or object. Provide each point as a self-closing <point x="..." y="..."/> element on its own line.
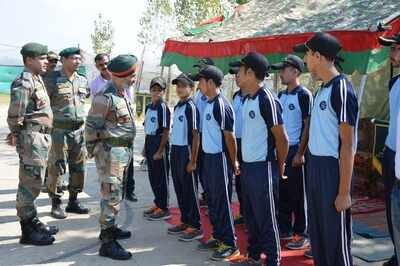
<point x="101" y="61"/>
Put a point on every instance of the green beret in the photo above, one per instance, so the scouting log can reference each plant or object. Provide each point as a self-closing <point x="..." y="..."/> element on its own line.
<point x="70" y="51"/>
<point x="122" y="65"/>
<point x="33" y="49"/>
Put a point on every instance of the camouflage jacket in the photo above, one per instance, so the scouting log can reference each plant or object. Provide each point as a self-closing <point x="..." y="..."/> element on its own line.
<point x="110" y="118"/>
<point x="67" y="97"/>
<point x="29" y="103"/>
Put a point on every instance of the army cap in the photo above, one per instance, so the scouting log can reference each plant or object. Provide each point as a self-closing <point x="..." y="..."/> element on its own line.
<point x="322" y="42"/>
<point x="290" y="60"/>
<point x="185" y="79"/>
<point x="210" y="72"/>
<point x="160" y="81"/>
<point x="122" y="65"/>
<point x="33" y="49"/>
<point x="52" y="56"/>
<point x="389" y="40"/>
<point x="256" y="61"/>
<point x="70" y="51"/>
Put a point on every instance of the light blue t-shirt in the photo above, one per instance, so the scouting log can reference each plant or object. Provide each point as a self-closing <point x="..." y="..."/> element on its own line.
<point x="237" y="103"/>
<point x="186" y="119"/>
<point x="201" y="101"/>
<point x="394" y="107"/>
<point x="157" y="117"/>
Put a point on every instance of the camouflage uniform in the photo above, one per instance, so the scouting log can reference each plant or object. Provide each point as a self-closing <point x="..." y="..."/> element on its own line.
<point x="110" y="131"/>
<point x="30" y="119"/>
<point x="67" y="101"/>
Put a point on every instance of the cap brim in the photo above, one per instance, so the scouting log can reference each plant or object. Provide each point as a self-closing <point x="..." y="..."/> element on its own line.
<point x="182" y="80"/>
<point x="235" y="64"/>
<point x="300" y="48"/>
<point x="157" y="83"/>
<point x="234" y="70"/>
<point x="194" y="77"/>
<point x="387" y="40"/>
<point x="278" y="66"/>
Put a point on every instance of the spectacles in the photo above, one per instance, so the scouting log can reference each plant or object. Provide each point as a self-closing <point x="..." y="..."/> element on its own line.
<point x="55" y="61"/>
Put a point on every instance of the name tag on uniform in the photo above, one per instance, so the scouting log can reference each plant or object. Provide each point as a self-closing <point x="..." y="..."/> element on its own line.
<point x="120" y="104"/>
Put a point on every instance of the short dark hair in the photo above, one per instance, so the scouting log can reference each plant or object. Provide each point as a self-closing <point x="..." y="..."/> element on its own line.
<point x="259" y="76"/>
<point x="100" y="56"/>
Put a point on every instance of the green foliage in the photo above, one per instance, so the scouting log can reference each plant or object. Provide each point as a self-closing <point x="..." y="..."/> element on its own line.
<point x="103" y="36"/>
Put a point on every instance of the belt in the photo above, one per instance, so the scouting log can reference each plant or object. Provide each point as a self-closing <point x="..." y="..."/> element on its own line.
<point x="38" y="128"/>
<point x="118" y="142"/>
<point x="72" y="125"/>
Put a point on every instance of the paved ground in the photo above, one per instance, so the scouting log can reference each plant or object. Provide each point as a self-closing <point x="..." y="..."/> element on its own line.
<point x="77" y="242"/>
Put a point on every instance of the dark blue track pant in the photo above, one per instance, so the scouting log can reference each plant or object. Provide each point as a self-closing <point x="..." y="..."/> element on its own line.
<point x="259" y="181"/>
<point x="158" y="171"/>
<point x="185" y="186"/>
<point x="217" y="174"/>
<point x="330" y="231"/>
<point x="237" y="177"/>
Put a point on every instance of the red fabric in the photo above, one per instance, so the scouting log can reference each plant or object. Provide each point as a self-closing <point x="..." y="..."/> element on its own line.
<point x="352" y="40"/>
<point x="212" y="20"/>
<point x="289" y="257"/>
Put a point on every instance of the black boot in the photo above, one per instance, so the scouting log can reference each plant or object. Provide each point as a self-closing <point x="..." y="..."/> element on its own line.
<point x="33" y="235"/>
<point x="111" y="248"/>
<point x="49" y="229"/>
<point x="118" y="233"/>
<point x="75" y="206"/>
<point x="131" y="197"/>
<point x="57" y="210"/>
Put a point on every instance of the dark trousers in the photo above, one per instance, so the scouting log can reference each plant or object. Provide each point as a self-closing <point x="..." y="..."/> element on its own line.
<point x="158" y="171"/>
<point x="199" y="171"/>
<point x="291" y="198"/>
<point x="130" y="179"/>
<point x="185" y="186"/>
<point x="237" y="177"/>
<point x="259" y="181"/>
<point x="330" y="231"/>
<point x="217" y="174"/>
<point x="389" y="178"/>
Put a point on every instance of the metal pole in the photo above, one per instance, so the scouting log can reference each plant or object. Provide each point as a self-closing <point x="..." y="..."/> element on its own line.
<point x="162" y="72"/>
<point x="360" y="95"/>
<point x="169" y="84"/>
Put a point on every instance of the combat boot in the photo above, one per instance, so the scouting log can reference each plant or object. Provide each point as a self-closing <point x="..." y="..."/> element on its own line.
<point x="74" y="206"/>
<point x="110" y="248"/>
<point x="33" y="235"/>
<point x="57" y="210"/>
<point x="49" y="229"/>
<point x="118" y="233"/>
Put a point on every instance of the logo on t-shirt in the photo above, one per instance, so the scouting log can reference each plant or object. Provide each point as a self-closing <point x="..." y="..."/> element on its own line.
<point x="153" y="119"/>
<point x="322" y="105"/>
<point x="204" y="98"/>
<point x="208" y="116"/>
<point x="291" y="107"/>
<point x="252" y="114"/>
<point x="180" y="118"/>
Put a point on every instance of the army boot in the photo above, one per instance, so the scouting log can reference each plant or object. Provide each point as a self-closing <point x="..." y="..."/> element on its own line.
<point x="110" y="248"/>
<point x="49" y="229"/>
<point x="33" y="235"/>
<point x="56" y="209"/>
<point x="118" y="233"/>
<point x="74" y="206"/>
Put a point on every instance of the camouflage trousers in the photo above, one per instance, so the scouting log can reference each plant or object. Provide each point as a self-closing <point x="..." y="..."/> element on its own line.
<point x="111" y="163"/>
<point x="33" y="149"/>
<point x="68" y="148"/>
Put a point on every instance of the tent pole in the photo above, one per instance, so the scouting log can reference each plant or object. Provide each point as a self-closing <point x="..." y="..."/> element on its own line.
<point x="162" y="71"/>
<point x="276" y="82"/>
<point x="360" y="95"/>
<point x="169" y="84"/>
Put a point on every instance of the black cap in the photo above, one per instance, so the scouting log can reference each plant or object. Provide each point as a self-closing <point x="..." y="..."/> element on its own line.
<point x="256" y="61"/>
<point x="206" y="61"/>
<point x="290" y="60"/>
<point x="322" y="42"/>
<point x="185" y="79"/>
<point x="389" y="40"/>
<point x="234" y="70"/>
<point x="210" y="72"/>
<point x="158" y="81"/>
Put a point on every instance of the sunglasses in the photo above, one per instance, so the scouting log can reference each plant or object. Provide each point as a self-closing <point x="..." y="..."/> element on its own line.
<point x="55" y="61"/>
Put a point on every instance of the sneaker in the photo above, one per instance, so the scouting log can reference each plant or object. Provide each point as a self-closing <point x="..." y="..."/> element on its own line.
<point x="159" y="215"/>
<point x="299" y="242"/>
<point x="225" y="253"/>
<point x="178" y="229"/>
<point x="308" y="254"/>
<point x="285" y="236"/>
<point x="191" y="234"/>
<point x="210" y="244"/>
<point x="239" y="219"/>
<point x="246" y="261"/>
<point x="149" y="211"/>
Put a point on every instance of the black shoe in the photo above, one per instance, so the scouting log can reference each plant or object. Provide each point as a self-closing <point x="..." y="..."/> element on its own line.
<point x="49" y="229"/>
<point x="33" y="235"/>
<point x="114" y="250"/>
<point x="74" y="206"/>
<point x="57" y="210"/>
<point x="131" y="197"/>
<point x="391" y="262"/>
<point x="118" y="233"/>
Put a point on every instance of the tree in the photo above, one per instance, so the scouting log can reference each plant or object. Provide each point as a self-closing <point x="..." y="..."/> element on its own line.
<point x="103" y="36"/>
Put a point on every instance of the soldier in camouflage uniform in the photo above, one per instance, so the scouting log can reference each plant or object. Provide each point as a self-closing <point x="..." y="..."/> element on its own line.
<point x="67" y="90"/>
<point x="110" y="131"/>
<point x="30" y="120"/>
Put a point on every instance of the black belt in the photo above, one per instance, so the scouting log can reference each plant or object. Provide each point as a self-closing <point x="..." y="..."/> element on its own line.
<point x="119" y="142"/>
<point x="38" y="128"/>
<point x="71" y="125"/>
